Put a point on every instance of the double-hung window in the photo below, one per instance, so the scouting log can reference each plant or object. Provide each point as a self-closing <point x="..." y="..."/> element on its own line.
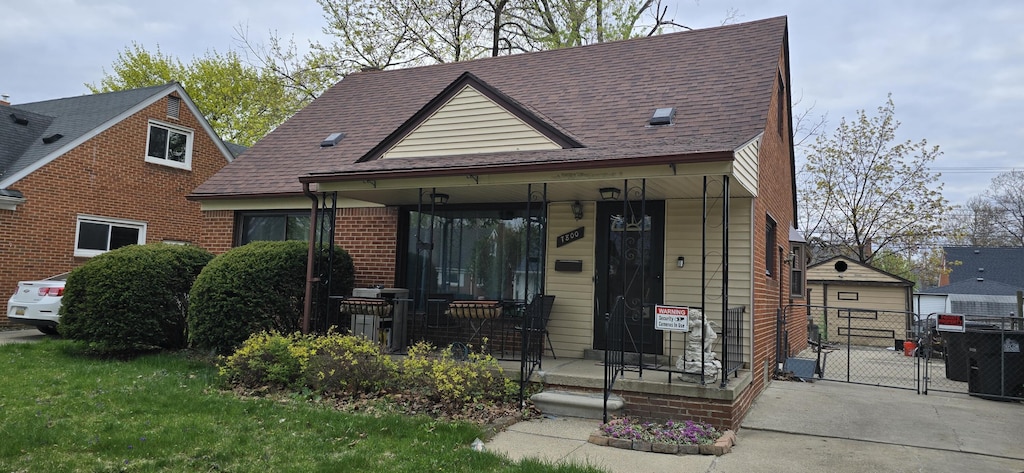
<point x="169" y="145"/>
<point x="97" y="235"/>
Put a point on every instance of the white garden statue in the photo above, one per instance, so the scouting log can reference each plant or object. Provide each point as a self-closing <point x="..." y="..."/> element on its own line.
<point x="700" y="340"/>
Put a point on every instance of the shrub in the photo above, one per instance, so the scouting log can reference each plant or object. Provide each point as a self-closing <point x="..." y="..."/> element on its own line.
<point x="253" y="288"/>
<point x="344" y="364"/>
<point x="445" y="379"/>
<point x="132" y="299"/>
<point x="268" y="359"/>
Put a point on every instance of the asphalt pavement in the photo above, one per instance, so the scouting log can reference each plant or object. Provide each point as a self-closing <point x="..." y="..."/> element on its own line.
<point x="814" y="427"/>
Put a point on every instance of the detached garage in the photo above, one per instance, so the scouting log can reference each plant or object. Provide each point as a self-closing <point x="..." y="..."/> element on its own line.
<point x="860" y="301"/>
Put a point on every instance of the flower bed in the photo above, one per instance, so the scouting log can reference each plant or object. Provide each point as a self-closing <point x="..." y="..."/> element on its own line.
<point x="671" y="437"/>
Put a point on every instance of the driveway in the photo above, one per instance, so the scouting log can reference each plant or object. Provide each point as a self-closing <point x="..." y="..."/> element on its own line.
<point x="20" y="336"/>
<point x="815" y="427"/>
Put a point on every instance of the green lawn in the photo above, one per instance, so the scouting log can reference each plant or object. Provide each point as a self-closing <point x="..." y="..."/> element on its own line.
<point x="60" y="411"/>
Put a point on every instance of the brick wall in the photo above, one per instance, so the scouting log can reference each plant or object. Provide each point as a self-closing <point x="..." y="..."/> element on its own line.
<point x="106" y="176"/>
<point x="775" y="198"/>
<point x="368" y="234"/>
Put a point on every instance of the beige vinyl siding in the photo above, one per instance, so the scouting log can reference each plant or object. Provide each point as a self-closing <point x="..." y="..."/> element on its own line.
<point x="683" y="286"/>
<point x="745" y="169"/>
<point x="572" y="316"/>
<point x="892" y="298"/>
<point x="887" y="304"/>
<point x="470" y="123"/>
<point x="854" y="272"/>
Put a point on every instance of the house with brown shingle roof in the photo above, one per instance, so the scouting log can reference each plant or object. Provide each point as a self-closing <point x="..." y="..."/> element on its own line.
<point x="617" y="177"/>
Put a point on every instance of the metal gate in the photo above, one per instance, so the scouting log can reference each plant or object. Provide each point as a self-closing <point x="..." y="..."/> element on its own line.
<point x="901" y="350"/>
<point x="858" y="345"/>
<point x="984" y="360"/>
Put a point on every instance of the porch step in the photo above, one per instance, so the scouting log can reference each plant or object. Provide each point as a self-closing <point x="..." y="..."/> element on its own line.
<point x="573" y="404"/>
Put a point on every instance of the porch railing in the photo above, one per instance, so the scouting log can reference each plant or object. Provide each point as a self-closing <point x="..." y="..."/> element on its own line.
<point x="614" y="353"/>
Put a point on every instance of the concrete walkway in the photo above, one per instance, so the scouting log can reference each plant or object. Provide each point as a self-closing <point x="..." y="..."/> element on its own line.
<point x="815" y="427"/>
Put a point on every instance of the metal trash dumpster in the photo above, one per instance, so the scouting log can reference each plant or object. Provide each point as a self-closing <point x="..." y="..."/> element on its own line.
<point x="996" y="363"/>
<point x="955" y="350"/>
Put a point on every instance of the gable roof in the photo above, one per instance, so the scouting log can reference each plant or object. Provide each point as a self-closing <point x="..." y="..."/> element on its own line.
<point x="854" y="272"/>
<point x="600" y="96"/>
<point x="23" y="148"/>
<point x="1005" y="265"/>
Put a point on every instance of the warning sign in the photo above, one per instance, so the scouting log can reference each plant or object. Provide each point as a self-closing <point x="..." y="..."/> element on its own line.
<point x="950" y="323"/>
<point x="671" y="318"/>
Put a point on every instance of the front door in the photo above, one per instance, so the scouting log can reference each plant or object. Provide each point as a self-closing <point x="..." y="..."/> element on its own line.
<point x="630" y="263"/>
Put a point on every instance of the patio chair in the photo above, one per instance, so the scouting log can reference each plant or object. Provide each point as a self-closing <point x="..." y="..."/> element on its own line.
<point x="538" y="312"/>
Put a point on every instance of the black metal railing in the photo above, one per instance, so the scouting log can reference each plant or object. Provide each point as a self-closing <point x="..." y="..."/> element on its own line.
<point x="732" y="342"/>
<point x="615" y="348"/>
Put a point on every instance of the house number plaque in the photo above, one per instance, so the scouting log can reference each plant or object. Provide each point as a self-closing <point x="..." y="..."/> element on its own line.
<point x="569" y="237"/>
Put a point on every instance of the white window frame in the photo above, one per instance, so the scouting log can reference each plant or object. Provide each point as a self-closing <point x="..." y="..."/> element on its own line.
<point x="187" y="165"/>
<point x="115" y="222"/>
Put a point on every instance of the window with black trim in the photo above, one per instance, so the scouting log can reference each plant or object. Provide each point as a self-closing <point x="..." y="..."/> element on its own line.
<point x="769" y="247"/>
<point x="169" y="145"/>
<point x="98" y="235"/>
<point x="796" y="271"/>
<point x="273" y="226"/>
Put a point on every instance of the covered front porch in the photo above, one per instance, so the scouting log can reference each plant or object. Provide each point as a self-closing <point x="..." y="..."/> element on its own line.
<point x="476" y="252"/>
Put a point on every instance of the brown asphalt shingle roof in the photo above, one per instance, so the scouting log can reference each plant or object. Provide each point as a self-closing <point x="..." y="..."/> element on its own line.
<point x="719" y="79"/>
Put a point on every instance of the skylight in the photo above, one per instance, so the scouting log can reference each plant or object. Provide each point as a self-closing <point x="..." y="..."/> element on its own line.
<point x="331" y="140"/>
<point x="663" y="116"/>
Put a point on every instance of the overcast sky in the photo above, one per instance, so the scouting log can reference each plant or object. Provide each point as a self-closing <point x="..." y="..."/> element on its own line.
<point x="955" y="68"/>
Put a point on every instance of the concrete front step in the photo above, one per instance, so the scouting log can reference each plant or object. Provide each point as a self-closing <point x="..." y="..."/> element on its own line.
<point x="575" y="404"/>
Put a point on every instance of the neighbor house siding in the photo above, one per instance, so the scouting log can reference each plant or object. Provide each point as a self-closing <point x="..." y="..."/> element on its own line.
<point x="106" y="176"/>
<point x="469" y="123"/>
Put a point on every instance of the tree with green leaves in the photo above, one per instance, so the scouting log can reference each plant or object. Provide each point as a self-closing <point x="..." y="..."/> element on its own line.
<point x="241" y="102"/>
<point x="868" y="193"/>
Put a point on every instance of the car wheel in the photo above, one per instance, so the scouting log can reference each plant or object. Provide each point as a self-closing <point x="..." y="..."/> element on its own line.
<point x="47" y="329"/>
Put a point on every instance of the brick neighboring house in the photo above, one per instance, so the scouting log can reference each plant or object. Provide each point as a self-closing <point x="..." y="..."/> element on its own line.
<point x="540" y="173"/>
<point x="82" y="175"/>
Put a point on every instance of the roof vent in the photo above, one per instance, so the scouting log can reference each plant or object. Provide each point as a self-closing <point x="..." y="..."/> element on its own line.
<point x="331" y="140"/>
<point x="19" y="120"/>
<point x="981" y="270"/>
<point x="981" y="279"/>
<point x="173" y="106"/>
<point x="977" y="251"/>
<point x="50" y="139"/>
<point x="663" y="116"/>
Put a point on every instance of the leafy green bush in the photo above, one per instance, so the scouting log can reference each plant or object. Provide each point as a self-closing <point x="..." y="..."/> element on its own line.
<point x="253" y="288"/>
<point x="445" y="379"/>
<point x="132" y="299"/>
<point x="344" y="364"/>
<point x="268" y="359"/>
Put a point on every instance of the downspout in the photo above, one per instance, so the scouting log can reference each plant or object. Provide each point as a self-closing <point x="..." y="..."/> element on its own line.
<point x="307" y="304"/>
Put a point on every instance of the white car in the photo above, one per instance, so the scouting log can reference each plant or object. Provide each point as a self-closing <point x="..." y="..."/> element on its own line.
<point x="37" y="303"/>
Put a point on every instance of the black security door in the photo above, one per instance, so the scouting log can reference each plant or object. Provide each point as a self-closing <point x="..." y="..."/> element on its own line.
<point x="629" y="263"/>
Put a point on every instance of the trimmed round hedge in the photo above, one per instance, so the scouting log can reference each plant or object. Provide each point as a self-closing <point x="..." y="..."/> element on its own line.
<point x="253" y="288"/>
<point x="132" y="299"/>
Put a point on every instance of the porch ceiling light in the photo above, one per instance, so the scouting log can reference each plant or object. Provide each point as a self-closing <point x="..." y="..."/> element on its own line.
<point x="610" y="193"/>
<point x="577" y="210"/>
<point x="439" y="199"/>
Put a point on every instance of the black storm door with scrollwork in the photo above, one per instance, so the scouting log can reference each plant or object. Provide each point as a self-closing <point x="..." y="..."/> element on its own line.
<point x="629" y="262"/>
